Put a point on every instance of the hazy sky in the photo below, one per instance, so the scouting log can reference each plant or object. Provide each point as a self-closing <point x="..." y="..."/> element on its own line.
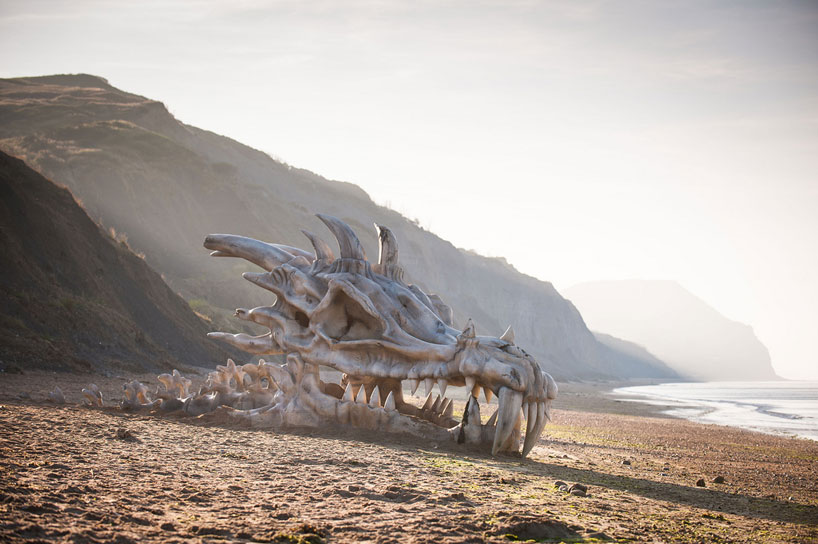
<point x="580" y="140"/>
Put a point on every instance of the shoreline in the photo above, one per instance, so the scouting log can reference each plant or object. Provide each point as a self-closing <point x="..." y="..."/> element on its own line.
<point x="71" y="473"/>
<point x="739" y="405"/>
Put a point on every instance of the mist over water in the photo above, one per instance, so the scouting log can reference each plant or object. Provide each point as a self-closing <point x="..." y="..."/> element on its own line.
<point x="781" y="407"/>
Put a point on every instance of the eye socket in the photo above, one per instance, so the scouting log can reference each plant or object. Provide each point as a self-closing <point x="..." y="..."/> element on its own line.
<point x="265" y="383"/>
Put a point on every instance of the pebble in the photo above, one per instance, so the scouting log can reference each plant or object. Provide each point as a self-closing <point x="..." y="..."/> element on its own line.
<point x="626" y="462"/>
<point x="700" y="482"/>
<point x="718" y="480"/>
<point x="559" y="483"/>
<point x="578" y="492"/>
<point x="581" y="487"/>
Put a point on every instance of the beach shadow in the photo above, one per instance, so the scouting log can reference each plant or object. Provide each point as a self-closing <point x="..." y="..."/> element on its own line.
<point x="710" y="499"/>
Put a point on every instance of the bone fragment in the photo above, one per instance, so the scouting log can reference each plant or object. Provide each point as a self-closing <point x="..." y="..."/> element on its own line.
<point x="93" y="395"/>
<point x="57" y="396"/>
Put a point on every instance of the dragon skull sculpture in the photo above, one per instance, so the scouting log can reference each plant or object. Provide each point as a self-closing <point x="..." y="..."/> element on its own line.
<point x="364" y="321"/>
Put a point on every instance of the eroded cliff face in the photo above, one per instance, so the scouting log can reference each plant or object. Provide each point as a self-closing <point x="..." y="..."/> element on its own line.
<point x="166" y="185"/>
<point x="74" y="299"/>
<point x="673" y="324"/>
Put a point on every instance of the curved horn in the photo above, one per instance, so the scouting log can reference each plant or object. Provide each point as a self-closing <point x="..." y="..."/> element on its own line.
<point x="389" y="246"/>
<point x="263" y="254"/>
<point x="351" y="247"/>
<point x="322" y="249"/>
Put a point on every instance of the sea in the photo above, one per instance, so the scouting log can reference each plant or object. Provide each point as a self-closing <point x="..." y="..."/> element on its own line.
<point x="780" y="407"/>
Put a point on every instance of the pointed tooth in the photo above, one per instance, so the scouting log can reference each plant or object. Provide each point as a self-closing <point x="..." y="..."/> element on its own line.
<point x="449" y="410"/>
<point x="475" y="391"/>
<point x="436" y="406"/>
<point x="348" y="395"/>
<point x="375" y="398"/>
<point x="488" y="393"/>
<point x="413" y="385"/>
<point x="493" y="419"/>
<point x="442" y="384"/>
<point x="509" y="402"/>
<point x="428" y="384"/>
<point x="361" y="395"/>
<point x="544" y="410"/>
<point x="540" y="408"/>
<point x="470" y="381"/>
<point x="530" y="425"/>
<point x="389" y="404"/>
<point x="428" y="403"/>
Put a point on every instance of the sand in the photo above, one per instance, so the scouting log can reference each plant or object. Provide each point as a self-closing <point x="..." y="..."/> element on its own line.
<point x="75" y="474"/>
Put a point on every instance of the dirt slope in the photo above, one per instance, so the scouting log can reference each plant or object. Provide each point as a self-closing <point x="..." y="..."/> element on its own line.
<point x="75" y="299"/>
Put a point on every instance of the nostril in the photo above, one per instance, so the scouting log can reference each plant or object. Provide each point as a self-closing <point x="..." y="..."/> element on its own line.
<point x="302" y="319"/>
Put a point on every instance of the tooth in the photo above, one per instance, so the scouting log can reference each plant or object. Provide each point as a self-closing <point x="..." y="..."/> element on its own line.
<point x="444" y="403"/>
<point x="361" y="395"/>
<point x="530" y="425"/>
<point x="536" y="431"/>
<point x="488" y="393"/>
<point x="475" y="391"/>
<point x="348" y="396"/>
<point x="389" y="404"/>
<point x="428" y="384"/>
<point x="470" y="383"/>
<point x="436" y="405"/>
<point x="544" y="410"/>
<point x="375" y="398"/>
<point x="509" y="402"/>
<point x="413" y="384"/>
<point x="442" y="384"/>
<point x="449" y="410"/>
<point x="470" y="428"/>
<point x="493" y="419"/>
<point x="428" y="403"/>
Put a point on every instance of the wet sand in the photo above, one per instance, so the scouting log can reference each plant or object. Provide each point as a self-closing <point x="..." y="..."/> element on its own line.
<point x="75" y="474"/>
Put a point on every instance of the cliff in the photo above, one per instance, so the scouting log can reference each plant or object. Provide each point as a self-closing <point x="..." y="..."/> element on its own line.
<point x="74" y="299"/>
<point x="166" y="185"/>
<point x="673" y="324"/>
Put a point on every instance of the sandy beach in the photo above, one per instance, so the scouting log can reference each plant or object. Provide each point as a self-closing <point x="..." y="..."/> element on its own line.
<point x="75" y="474"/>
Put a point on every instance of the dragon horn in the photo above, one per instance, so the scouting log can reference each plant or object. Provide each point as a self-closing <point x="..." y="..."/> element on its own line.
<point x="322" y="249"/>
<point x="351" y="247"/>
<point x="389" y="246"/>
